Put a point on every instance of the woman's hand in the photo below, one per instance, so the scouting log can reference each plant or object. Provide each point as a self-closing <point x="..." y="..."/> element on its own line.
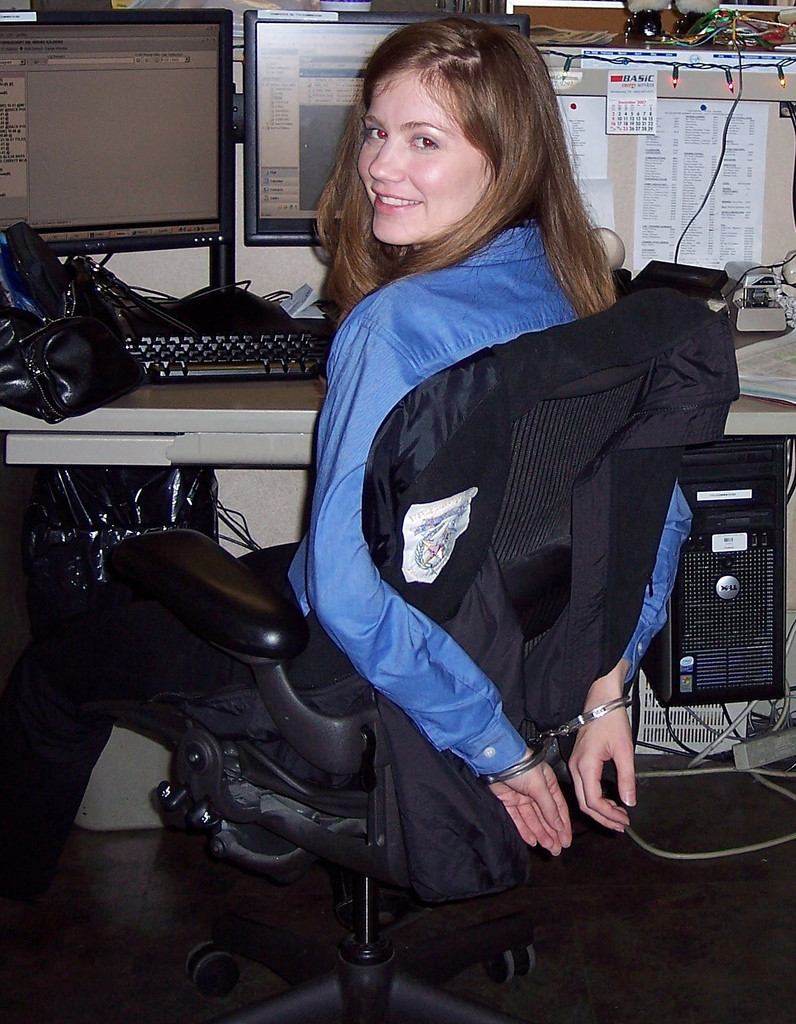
<point x="537" y="807"/>
<point x="605" y="739"/>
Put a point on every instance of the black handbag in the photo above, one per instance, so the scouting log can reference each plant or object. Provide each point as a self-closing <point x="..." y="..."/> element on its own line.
<point x="53" y="364"/>
<point x="62" y="367"/>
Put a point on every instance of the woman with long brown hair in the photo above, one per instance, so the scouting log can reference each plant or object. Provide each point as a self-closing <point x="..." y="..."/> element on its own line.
<point x="453" y="223"/>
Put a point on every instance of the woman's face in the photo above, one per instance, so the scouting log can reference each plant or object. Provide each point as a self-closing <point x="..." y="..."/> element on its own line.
<point x="421" y="175"/>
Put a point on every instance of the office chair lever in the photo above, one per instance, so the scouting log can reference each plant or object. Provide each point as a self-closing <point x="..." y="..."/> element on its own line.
<point x="202" y="815"/>
<point x="367" y="775"/>
<point x="173" y="798"/>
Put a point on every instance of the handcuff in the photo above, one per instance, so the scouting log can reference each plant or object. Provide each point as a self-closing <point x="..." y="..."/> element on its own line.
<point x="538" y="747"/>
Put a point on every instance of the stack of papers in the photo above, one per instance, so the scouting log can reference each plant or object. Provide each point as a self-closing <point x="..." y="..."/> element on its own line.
<point x="767" y="369"/>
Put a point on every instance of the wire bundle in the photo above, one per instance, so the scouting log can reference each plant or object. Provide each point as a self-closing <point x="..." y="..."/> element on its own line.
<point x="732" y="29"/>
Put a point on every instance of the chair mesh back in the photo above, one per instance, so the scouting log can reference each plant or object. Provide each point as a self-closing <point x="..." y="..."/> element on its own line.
<point x="550" y="446"/>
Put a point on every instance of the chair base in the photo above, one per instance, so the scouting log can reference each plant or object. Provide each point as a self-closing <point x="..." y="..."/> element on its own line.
<point x="369" y="982"/>
<point x="376" y="994"/>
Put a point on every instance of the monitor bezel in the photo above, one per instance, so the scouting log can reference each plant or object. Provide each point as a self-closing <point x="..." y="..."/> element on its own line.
<point x="291" y="231"/>
<point x="225" y="236"/>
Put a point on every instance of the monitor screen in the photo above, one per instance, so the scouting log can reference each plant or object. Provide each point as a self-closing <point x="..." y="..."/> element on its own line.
<point x="116" y="129"/>
<point x="301" y="75"/>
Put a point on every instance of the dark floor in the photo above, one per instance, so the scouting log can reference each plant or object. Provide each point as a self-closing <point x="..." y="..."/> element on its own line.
<point x="623" y="937"/>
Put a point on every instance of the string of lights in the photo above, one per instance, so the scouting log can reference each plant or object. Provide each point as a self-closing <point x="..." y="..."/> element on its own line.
<point x="717" y="29"/>
<point x="673" y="66"/>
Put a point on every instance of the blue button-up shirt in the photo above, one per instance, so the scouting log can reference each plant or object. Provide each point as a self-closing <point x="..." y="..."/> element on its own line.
<point x="393" y="340"/>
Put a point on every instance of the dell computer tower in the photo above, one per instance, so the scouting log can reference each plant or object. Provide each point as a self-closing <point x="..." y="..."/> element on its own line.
<point x="724" y="639"/>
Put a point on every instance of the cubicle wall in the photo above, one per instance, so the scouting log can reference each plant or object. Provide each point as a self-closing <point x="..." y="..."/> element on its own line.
<point x="698" y="101"/>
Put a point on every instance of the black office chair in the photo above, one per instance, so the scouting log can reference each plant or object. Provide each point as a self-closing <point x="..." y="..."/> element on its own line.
<point x="573" y="437"/>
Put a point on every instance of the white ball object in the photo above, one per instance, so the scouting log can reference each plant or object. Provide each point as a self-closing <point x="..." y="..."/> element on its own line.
<point x="614" y="247"/>
<point x="789" y="268"/>
<point x="639" y="6"/>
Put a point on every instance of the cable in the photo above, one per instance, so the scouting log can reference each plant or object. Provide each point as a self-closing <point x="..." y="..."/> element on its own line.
<point x="659" y="747"/>
<point x="719" y="162"/>
<point x="737" y="851"/>
<point x="791" y="108"/>
<point x="655" y="61"/>
<point x="725" y="712"/>
<point x="674" y="736"/>
<point x="728" y="769"/>
<point x="790" y="468"/>
<point x="722" y="736"/>
<point x="701" y="721"/>
<point x="236" y="522"/>
<point x="760" y="776"/>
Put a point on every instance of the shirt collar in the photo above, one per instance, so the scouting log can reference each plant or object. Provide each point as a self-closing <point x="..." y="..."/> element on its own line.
<point x="524" y="240"/>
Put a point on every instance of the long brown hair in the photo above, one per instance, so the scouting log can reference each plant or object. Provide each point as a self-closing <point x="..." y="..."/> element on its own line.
<point x="495" y="85"/>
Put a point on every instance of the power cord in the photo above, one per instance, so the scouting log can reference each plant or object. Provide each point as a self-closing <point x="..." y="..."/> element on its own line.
<point x="761" y="776"/>
<point x="711" y="747"/>
<point x="790" y="106"/>
<point x="790" y="464"/>
<point x="719" y="163"/>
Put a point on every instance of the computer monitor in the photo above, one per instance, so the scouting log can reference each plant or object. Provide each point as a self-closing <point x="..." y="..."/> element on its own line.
<point x="300" y="77"/>
<point x="116" y="129"/>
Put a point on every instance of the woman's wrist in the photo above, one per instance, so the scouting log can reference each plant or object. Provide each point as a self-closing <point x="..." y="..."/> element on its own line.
<point x="532" y="758"/>
<point x="607" y="687"/>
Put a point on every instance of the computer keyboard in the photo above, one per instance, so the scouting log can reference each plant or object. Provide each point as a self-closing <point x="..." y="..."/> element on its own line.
<point x="276" y="355"/>
<point x="215" y="334"/>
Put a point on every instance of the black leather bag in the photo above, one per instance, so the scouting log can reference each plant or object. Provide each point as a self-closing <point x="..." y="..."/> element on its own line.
<point x="53" y="364"/>
<point x="62" y="367"/>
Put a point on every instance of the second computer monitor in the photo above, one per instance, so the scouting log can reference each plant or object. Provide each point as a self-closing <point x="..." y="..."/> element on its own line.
<point x="301" y="77"/>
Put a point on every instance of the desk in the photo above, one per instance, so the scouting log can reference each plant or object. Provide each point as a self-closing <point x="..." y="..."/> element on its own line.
<point x="239" y="424"/>
<point x="756" y="416"/>
<point x="242" y="424"/>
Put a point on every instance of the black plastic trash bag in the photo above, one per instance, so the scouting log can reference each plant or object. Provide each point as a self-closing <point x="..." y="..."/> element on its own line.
<point x="78" y="513"/>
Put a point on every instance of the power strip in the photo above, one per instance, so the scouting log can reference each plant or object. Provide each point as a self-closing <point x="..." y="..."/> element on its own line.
<point x="762" y="750"/>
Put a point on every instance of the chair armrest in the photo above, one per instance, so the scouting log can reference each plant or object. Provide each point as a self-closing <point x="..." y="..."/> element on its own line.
<point x="227" y="604"/>
<point x="219" y="598"/>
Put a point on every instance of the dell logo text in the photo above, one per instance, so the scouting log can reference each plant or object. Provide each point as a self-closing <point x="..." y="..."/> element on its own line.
<point x="728" y="588"/>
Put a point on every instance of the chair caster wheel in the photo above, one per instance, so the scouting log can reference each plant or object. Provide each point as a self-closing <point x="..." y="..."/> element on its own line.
<point x="213" y="971"/>
<point x="511" y="963"/>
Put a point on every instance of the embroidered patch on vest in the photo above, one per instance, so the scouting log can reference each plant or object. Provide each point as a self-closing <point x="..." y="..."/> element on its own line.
<point x="430" y="531"/>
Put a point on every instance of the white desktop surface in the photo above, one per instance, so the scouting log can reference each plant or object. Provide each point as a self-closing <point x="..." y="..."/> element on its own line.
<point x="264" y="424"/>
<point x="758" y="416"/>
<point x="230" y="424"/>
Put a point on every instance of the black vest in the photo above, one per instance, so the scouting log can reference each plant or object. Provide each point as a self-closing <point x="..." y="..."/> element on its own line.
<point x="458" y="430"/>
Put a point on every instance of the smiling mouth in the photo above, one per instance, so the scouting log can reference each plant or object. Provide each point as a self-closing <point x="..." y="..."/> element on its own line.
<point x="393" y="201"/>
